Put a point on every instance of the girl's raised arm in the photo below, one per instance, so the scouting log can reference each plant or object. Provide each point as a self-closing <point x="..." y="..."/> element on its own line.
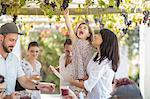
<point x="72" y="35"/>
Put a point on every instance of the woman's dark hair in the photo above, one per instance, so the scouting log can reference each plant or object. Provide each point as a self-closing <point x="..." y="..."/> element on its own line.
<point x="2" y="79"/>
<point x="32" y="44"/>
<point x="109" y="48"/>
<point x="68" y="42"/>
<point x="90" y="31"/>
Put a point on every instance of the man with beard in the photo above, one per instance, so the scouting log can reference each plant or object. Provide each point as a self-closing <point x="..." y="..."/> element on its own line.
<point x="10" y="66"/>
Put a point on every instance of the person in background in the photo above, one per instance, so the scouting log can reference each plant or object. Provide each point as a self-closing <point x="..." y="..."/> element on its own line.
<point x="65" y="64"/>
<point x="10" y="65"/>
<point x="65" y="60"/>
<point x="102" y="66"/>
<point x="32" y="67"/>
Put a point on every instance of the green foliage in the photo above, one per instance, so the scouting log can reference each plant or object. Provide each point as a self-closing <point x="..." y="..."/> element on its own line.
<point x="134" y="73"/>
<point x="48" y="10"/>
<point x="51" y="49"/>
<point x="126" y="5"/>
<point x="13" y="6"/>
<point x="88" y="3"/>
<point x="102" y="4"/>
<point x="111" y="3"/>
<point x="132" y="41"/>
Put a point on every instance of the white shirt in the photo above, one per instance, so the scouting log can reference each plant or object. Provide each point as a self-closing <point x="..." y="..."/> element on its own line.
<point x="99" y="83"/>
<point x="11" y="70"/>
<point x="66" y="72"/>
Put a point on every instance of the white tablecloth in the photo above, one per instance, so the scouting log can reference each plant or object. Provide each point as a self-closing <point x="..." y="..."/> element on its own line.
<point x="50" y="96"/>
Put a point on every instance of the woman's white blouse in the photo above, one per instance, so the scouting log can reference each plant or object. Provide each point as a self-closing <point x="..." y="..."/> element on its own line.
<point x="99" y="83"/>
<point x="28" y="69"/>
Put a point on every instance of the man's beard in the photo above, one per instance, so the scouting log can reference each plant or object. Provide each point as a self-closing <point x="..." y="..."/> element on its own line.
<point x="5" y="48"/>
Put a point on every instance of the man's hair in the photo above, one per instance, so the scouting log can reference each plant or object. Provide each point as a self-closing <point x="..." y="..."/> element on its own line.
<point x="68" y="42"/>
<point x="32" y="44"/>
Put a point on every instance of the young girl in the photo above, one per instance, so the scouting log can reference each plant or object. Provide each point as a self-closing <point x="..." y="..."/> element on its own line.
<point x="102" y="66"/>
<point x="82" y="48"/>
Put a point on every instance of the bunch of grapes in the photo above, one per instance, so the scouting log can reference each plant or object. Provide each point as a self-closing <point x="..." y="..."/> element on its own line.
<point x="14" y="18"/>
<point x="96" y="20"/>
<point x="4" y="8"/>
<point x="127" y="22"/>
<point x="86" y="21"/>
<point x="53" y="5"/>
<point x="46" y="2"/>
<point x="125" y="17"/>
<point x="146" y="16"/>
<point x="118" y="2"/>
<point x="124" y="30"/>
<point x="65" y="4"/>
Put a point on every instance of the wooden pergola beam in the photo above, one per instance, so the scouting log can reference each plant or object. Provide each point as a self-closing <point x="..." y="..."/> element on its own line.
<point x="73" y="11"/>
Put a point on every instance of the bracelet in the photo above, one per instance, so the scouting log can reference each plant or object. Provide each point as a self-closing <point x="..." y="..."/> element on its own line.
<point x="36" y="88"/>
